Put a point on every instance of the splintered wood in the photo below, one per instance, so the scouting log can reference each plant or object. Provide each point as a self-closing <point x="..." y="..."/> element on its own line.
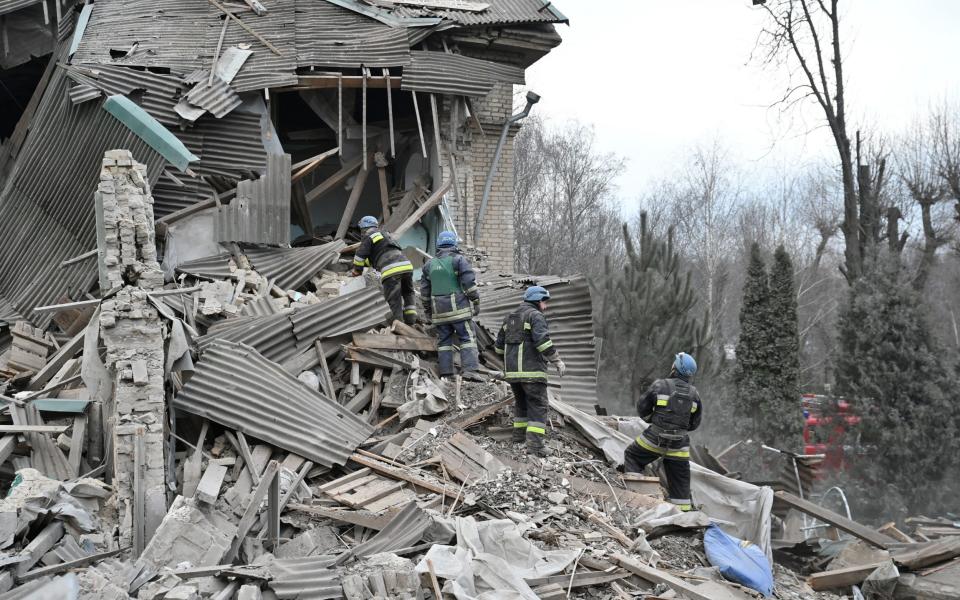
<point x="368" y="490"/>
<point x="466" y="460"/>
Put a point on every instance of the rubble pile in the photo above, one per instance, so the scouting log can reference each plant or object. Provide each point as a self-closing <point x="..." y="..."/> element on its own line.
<point x="245" y="433"/>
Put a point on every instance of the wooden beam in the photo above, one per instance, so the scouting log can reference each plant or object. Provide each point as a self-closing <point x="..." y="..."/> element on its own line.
<point x="384" y="194"/>
<point x="931" y="553"/>
<point x="394" y="342"/>
<point x="839" y="521"/>
<point x="355" y="193"/>
<point x="657" y="576"/>
<point x="581" y="579"/>
<point x="304" y="168"/>
<point x="77" y="440"/>
<point x="334" y="180"/>
<point x="432" y="202"/>
<point x="404" y="473"/>
<point x="56" y="362"/>
<point x="246" y="521"/>
<point x="841" y="578"/>
<point x="69" y="306"/>
<point x="57" y="429"/>
<point x="363" y="518"/>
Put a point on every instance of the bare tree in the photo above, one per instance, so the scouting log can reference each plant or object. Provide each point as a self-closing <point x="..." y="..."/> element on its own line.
<point x="806" y="35"/>
<point x="565" y="216"/>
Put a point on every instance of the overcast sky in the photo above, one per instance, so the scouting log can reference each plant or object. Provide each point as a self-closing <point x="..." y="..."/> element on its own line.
<point x="656" y="77"/>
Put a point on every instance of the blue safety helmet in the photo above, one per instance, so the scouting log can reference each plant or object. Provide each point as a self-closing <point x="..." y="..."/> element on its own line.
<point x="446" y="238"/>
<point x="536" y="293"/>
<point x="684" y="365"/>
<point x="367" y="222"/>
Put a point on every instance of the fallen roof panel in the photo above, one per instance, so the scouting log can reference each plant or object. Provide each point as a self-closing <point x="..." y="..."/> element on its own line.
<point x="290" y="268"/>
<point x="8" y="6"/>
<point x="357" y="311"/>
<point x="309" y="578"/>
<point x="260" y="212"/>
<point x="403" y="531"/>
<point x="235" y="386"/>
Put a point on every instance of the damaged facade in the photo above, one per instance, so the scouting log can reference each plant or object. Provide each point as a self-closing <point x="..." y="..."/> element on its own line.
<point x="199" y="402"/>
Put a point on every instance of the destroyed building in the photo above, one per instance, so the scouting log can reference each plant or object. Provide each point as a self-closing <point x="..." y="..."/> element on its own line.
<point x="198" y="402"/>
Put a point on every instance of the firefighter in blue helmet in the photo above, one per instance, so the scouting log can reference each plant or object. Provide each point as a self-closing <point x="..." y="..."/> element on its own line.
<point x="525" y="345"/>
<point x="448" y="287"/>
<point x="673" y="409"/>
<point x="380" y="251"/>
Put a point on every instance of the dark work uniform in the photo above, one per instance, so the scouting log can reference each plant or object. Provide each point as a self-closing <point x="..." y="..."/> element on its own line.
<point x="379" y="251"/>
<point x="673" y="409"/>
<point x="525" y="344"/>
<point x="448" y="287"/>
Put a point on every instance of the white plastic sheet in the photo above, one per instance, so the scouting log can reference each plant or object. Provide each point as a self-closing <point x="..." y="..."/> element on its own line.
<point x="491" y="561"/>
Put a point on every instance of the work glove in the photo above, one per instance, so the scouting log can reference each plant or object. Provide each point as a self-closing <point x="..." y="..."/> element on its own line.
<point x="476" y="309"/>
<point x="561" y="367"/>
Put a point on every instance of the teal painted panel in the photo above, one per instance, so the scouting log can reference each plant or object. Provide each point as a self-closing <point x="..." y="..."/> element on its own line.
<point x="61" y="405"/>
<point x="150" y="130"/>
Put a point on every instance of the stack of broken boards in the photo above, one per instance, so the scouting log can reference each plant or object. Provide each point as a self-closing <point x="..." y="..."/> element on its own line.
<point x="922" y="565"/>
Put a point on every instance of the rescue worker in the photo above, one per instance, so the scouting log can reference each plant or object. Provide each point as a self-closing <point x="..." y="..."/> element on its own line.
<point x="448" y="287"/>
<point x="673" y="409"/>
<point x="380" y="251"/>
<point x="525" y="344"/>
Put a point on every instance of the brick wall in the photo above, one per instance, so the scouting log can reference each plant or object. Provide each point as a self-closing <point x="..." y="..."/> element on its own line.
<point x="474" y="153"/>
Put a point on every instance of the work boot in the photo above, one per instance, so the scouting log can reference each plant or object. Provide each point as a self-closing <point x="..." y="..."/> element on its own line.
<point x="473" y="376"/>
<point x="535" y="446"/>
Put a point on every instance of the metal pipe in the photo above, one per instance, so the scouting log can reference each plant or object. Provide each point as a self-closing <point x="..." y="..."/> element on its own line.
<point x="532" y="98"/>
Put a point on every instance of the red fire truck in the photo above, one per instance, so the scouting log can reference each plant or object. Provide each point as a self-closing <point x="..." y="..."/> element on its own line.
<point x="827" y="423"/>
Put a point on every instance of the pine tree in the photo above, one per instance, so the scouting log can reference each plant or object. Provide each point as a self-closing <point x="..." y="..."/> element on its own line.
<point x="647" y="313"/>
<point x="752" y="374"/>
<point x="782" y="418"/>
<point x="889" y="367"/>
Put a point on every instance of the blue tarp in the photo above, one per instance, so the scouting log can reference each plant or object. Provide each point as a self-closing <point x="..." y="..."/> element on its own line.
<point x="738" y="560"/>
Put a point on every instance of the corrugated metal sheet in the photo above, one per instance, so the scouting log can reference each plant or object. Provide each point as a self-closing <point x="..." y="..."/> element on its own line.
<point x="170" y="196"/>
<point x="403" y="531"/>
<point x="154" y="93"/>
<point x="290" y="268"/>
<point x="218" y="99"/>
<point x="283" y="336"/>
<point x="445" y="73"/>
<point x="84" y="93"/>
<point x="570" y="316"/>
<point x="263" y="69"/>
<point x="358" y="311"/>
<point x="261" y="307"/>
<point x="215" y="267"/>
<point x="235" y="386"/>
<point x="500" y="12"/>
<point x="271" y="335"/>
<point x="228" y="145"/>
<point x="46" y="206"/>
<point x="260" y="213"/>
<point x="8" y="6"/>
<point x="309" y="578"/>
<point x="331" y="36"/>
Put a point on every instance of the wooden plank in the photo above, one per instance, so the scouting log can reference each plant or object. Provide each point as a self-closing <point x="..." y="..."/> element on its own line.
<point x="465" y="421"/>
<point x="246" y="521"/>
<point x="191" y="469"/>
<point x="56" y="429"/>
<point x="67" y="566"/>
<point x="841" y="578"/>
<point x="363" y="518"/>
<point x="581" y="579"/>
<point x="890" y="529"/>
<point x="247" y="458"/>
<point x="67" y="306"/>
<point x="334" y="180"/>
<point x="77" y="440"/>
<point x="406" y="474"/>
<point x="654" y="575"/>
<point x="384" y="194"/>
<point x="925" y="555"/>
<point x="842" y="523"/>
<point x="374" y="341"/>
<point x="358" y="186"/>
<point x="432" y="202"/>
<point x="7" y="444"/>
<point x="209" y="487"/>
<point x="56" y="362"/>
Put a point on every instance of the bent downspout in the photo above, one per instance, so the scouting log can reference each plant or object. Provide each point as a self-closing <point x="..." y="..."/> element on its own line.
<point x="532" y="98"/>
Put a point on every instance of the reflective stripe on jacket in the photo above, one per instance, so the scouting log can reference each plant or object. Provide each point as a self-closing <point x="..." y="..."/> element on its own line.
<point x="380" y="251"/>
<point x="525" y="344"/>
<point x="448" y="285"/>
